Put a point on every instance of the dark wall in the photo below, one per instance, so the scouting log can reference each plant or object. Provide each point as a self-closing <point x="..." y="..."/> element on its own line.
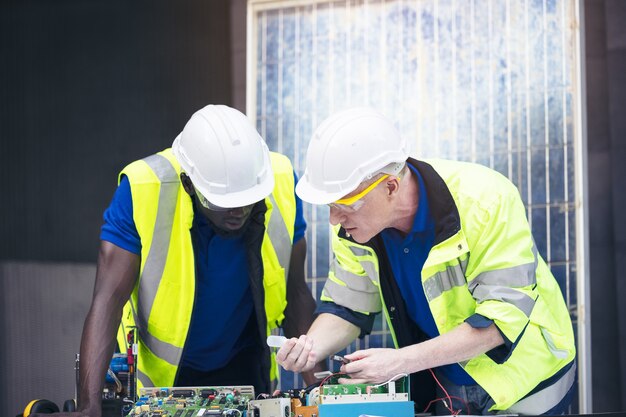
<point x="88" y="86"/>
<point x="42" y="307"/>
<point x="605" y="37"/>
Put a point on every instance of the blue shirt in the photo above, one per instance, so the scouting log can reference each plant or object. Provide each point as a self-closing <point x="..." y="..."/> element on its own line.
<point x="223" y="300"/>
<point x="407" y="255"/>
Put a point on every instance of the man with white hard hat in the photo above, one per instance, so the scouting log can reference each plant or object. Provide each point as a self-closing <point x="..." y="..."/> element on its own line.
<point x="206" y="243"/>
<point x="444" y="249"/>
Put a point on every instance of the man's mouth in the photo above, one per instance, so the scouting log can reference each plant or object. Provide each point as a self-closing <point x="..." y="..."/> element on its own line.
<point x="234" y="223"/>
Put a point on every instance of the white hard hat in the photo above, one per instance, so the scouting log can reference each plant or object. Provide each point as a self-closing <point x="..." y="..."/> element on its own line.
<point x="225" y="157"/>
<point x="347" y="148"/>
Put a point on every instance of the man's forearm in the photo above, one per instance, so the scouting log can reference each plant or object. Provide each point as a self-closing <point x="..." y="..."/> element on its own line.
<point x="331" y="334"/>
<point x="458" y="345"/>
<point x="115" y="278"/>
<point x="97" y="346"/>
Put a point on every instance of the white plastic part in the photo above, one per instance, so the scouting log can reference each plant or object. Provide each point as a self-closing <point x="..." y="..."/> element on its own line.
<point x="225" y="157"/>
<point x="347" y="148"/>
<point x="322" y="374"/>
<point x="276" y="341"/>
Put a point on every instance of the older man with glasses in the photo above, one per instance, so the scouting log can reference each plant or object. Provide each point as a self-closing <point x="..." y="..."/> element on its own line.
<point x="444" y="250"/>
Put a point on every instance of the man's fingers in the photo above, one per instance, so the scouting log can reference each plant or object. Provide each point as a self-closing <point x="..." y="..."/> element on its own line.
<point x="288" y="354"/>
<point x="302" y="360"/>
<point x="352" y="381"/>
<point x="311" y="361"/>
<point x="297" y="355"/>
<point x="358" y="355"/>
<point x="284" y="351"/>
<point x="352" y="367"/>
<point x="293" y="356"/>
<point x="297" y="350"/>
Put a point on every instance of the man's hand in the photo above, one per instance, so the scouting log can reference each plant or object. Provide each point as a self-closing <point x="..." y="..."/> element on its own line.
<point x="297" y="355"/>
<point x="373" y="366"/>
<point x="460" y="344"/>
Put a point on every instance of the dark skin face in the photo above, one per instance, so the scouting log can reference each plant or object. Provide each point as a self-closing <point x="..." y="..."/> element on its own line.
<point x="230" y="220"/>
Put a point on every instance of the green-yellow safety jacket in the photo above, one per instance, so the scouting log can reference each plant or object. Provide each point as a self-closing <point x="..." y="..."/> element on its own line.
<point x="483" y="261"/>
<point x="162" y="300"/>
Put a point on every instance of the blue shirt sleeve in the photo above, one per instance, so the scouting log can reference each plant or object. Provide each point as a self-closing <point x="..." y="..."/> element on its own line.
<point x="365" y="322"/>
<point x="299" y="227"/>
<point x="119" y="225"/>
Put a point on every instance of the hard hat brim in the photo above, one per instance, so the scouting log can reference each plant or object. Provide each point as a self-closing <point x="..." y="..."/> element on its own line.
<point x="313" y="195"/>
<point x="241" y="198"/>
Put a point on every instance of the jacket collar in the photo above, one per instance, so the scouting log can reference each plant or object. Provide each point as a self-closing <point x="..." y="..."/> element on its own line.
<point x="442" y="205"/>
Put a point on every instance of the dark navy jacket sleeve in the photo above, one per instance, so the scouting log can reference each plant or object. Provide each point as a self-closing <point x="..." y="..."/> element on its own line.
<point x="500" y="353"/>
<point x="363" y="321"/>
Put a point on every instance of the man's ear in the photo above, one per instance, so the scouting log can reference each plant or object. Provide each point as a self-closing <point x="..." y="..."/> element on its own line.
<point x="187" y="184"/>
<point x="392" y="184"/>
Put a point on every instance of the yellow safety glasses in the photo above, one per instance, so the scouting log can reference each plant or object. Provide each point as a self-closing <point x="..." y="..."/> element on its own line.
<point x="208" y="205"/>
<point x="355" y="202"/>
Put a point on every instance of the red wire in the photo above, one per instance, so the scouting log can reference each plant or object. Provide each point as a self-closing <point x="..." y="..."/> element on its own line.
<point x="329" y="376"/>
<point x="431" y="403"/>
<point x="449" y="407"/>
<point x="441" y="399"/>
<point x="444" y="391"/>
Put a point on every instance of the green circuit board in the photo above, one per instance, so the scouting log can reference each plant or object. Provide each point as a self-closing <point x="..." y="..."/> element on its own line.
<point x="351" y="389"/>
<point x="334" y="388"/>
<point x="228" y="401"/>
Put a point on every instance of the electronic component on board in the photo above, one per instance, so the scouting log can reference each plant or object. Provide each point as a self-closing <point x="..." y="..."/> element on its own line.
<point x="226" y="401"/>
<point x="338" y="358"/>
<point x="270" y="407"/>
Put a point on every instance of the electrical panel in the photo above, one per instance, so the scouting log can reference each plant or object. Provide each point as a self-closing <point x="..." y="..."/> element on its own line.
<point x="227" y="401"/>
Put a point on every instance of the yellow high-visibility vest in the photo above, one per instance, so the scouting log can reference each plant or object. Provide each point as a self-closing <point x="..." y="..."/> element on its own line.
<point x="162" y="300"/>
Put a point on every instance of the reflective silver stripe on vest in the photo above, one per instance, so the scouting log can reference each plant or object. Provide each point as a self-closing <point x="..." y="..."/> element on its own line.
<point x="155" y="261"/>
<point x="443" y="281"/>
<point x="145" y="380"/>
<point x="516" y="276"/>
<point x="359" y="251"/>
<point x="353" y="281"/>
<point x="352" y="299"/>
<point x="559" y="353"/>
<point x="546" y="399"/>
<point x="368" y="266"/>
<point x="497" y="285"/>
<point x="361" y="292"/>
<point x="166" y="351"/>
<point x="279" y="236"/>
<point x="505" y="294"/>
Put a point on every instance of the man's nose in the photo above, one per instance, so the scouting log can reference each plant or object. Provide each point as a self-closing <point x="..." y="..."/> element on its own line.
<point x="336" y="216"/>
<point x="236" y="211"/>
